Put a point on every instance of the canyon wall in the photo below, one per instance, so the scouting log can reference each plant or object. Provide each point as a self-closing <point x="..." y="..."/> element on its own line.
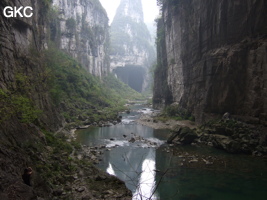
<point x="216" y="57"/>
<point x="132" y="52"/>
<point x="83" y="32"/>
<point x="23" y="92"/>
<point x="21" y="41"/>
<point x="28" y="113"/>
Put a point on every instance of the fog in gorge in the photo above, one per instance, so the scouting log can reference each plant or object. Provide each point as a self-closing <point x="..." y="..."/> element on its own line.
<point x="132" y="44"/>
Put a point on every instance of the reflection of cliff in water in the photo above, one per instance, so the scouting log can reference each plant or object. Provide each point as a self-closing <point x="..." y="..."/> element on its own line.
<point x="136" y="167"/>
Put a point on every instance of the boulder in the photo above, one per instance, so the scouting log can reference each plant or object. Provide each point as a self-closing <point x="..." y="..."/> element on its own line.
<point x="132" y="140"/>
<point x="226" y="143"/>
<point x="183" y="135"/>
<point x="187" y="136"/>
<point x="174" y="135"/>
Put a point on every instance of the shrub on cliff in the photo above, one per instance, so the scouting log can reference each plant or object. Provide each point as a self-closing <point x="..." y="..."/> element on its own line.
<point x="79" y="93"/>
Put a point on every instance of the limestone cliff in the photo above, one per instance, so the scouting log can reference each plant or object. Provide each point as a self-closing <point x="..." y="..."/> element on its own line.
<point x="216" y="57"/>
<point x="20" y="38"/>
<point x="83" y="32"/>
<point x="131" y="51"/>
<point x="29" y="114"/>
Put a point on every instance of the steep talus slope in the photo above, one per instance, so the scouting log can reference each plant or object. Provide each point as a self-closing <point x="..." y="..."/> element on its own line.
<point x="216" y="57"/>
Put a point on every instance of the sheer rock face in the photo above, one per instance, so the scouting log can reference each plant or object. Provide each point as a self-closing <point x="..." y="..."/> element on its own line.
<point x="131" y="42"/>
<point x="20" y="38"/>
<point x="84" y="33"/>
<point x="216" y="56"/>
<point x="22" y="73"/>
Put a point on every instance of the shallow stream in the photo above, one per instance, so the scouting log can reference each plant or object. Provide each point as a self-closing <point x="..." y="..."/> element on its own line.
<point x="153" y="169"/>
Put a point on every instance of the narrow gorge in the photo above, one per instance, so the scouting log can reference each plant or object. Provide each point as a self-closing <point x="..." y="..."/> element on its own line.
<point x="132" y="51"/>
<point x="82" y="94"/>
<point x="54" y="77"/>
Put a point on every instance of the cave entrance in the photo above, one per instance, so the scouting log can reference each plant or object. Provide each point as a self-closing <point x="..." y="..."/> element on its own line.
<point x="131" y="75"/>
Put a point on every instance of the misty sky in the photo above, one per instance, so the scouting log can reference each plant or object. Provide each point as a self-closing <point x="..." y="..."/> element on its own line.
<point x="150" y="9"/>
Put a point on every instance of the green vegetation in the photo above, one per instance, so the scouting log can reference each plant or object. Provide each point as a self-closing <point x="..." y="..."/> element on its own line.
<point x="16" y="103"/>
<point x="54" y="163"/>
<point x="53" y="81"/>
<point x="175" y="112"/>
<point x="81" y="95"/>
<point x="46" y="3"/>
<point x="71" y="24"/>
<point x="46" y="6"/>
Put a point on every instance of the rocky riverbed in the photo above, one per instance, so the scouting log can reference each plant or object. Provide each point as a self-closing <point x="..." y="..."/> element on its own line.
<point x="86" y="181"/>
<point x="230" y="134"/>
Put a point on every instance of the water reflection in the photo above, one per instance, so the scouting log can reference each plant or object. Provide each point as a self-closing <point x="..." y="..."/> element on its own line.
<point x="137" y="168"/>
<point x="147" y="181"/>
<point x="135" y="163"/>
<point x="110" y="170"/>
<point x="132" y="162"/>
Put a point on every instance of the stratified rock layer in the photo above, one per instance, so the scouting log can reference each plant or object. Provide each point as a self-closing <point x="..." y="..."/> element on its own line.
<point x="216" y="57"/>
<point x="83" y="33"/>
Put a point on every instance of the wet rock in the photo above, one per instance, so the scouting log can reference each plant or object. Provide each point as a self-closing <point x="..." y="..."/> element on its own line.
<point x="132" y="140"/>
<point x="108" y="124"/>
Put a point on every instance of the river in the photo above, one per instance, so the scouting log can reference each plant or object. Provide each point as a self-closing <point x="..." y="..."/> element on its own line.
<point x="152" y="169"/>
